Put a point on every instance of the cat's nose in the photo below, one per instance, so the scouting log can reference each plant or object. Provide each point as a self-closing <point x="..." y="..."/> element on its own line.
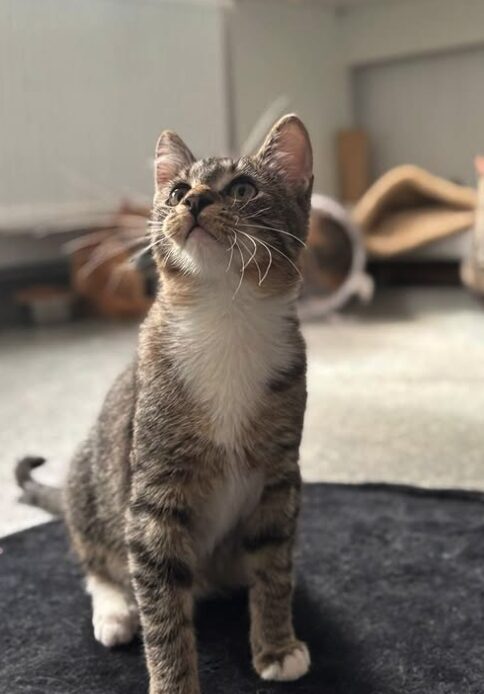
<point x="197" y="201"/>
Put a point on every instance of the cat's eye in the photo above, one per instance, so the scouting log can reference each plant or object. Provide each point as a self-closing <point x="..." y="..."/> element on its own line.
<point x="242" y="191"/>
<point x="177" y="194"/>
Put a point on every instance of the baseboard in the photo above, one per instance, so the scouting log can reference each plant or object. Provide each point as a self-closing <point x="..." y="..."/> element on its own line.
<point x="12" y="279"/>
<point x="415" y="273"/>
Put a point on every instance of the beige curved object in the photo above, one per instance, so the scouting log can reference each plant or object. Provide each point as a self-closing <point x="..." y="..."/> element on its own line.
<point x="334" y="262"/>
<point x="472" y="268"/>
<point x="408" y="207"/>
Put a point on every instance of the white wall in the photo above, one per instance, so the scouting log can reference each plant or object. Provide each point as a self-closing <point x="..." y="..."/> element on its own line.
<point x="87" y="85"/>
<point x="308" y="52"/>
<point x="427" y="110"/>
<point x="415" y="74"/>
<point x="281" y="48"/>
<point x="380" y="31"/>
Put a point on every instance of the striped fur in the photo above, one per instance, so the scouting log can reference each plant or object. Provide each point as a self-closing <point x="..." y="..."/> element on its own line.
<point x="189" y="481"/>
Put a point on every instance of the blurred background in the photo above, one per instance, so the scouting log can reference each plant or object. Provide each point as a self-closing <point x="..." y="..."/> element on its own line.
<point x="392" y="94"/>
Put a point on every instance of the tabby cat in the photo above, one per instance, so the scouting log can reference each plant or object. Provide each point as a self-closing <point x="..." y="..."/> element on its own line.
<point x="189" y="481"/>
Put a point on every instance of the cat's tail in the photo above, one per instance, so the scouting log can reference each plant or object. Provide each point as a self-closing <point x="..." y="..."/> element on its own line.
<point x="35" y="493"/>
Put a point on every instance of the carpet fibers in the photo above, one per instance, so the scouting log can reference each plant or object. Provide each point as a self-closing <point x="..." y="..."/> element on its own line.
<point x="390" y="599"/>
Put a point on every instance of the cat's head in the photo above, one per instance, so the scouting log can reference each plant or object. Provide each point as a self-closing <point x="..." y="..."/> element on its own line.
<point x="244" y="220"/>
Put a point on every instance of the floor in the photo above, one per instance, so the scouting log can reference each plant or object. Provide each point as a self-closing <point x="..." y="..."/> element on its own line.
<point x="396" y="393"/>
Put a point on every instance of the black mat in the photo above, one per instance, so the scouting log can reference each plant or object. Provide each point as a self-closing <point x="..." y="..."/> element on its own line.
<point x="390" y="600"/>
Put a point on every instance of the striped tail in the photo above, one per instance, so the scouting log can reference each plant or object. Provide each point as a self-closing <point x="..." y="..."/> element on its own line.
<point x="36" y="493"/>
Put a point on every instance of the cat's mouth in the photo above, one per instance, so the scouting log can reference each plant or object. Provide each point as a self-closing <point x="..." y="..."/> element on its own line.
<point x="198" y="231"/>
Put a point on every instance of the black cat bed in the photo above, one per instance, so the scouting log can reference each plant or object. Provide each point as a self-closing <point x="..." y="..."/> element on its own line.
<point x="390" y="599"/>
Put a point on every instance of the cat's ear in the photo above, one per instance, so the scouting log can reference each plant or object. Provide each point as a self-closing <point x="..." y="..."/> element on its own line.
<point x="287" y="149"/>
<point x="171" y="156"/>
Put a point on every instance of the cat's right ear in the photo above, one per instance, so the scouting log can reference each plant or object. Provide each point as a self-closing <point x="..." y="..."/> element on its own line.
<point x="172" y="155"/>
<point x="287" y="149"/>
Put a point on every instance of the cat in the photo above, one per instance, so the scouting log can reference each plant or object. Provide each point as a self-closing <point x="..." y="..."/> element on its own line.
<point x="189" y="481"/>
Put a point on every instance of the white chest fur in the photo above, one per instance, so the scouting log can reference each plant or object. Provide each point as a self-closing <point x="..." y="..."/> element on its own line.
<point x="233" y="499"/>
<point x="227" y="351"/>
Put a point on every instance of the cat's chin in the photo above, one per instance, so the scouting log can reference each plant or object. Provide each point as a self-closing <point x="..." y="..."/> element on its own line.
<point x="198" y="234"/>
<point x="205" y="254"/>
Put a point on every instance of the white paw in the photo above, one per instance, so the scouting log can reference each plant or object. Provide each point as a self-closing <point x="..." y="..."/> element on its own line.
<point x="114" y="629"/>
<point x="293" y="666"/>
<point x="114" y="617"/>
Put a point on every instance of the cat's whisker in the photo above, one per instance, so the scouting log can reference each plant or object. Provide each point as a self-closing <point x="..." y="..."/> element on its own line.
<point x="233" y="242"/>
<point x="245" y="204"/>
<point x="99" y="257"/>
<point x="242" y="270"/>
<point x="157" y="231"/>
<point x="80" y="244"/>
<point x="279" y="231"/>
<point x="247" y="249"/>
<point x="234" y="232"/>
<point x="133" y="259"/>
<point x="231" y="253"/>
<point x="251" y="253"/>
<point x="157" y="243"/>
<point x="284" y="256"/>
<point x="116" y="276"/>
<point x="254" y="253"/>
<point x="86" y="241"/>
<point x="258" y="213"/>
<point x="269" y="263"/>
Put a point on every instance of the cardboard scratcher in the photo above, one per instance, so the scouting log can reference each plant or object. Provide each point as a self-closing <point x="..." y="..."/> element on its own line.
<point x="334" y="262"/>
<point x="408" y="207"/>
<point x="102" y="274"/>
<point x="472" y="269"/>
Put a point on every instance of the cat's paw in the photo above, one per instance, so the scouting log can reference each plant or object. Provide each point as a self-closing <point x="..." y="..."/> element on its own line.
<point x="114" y="616"/>
<point x="284" y="665"/>
<point x="115" y="628"/>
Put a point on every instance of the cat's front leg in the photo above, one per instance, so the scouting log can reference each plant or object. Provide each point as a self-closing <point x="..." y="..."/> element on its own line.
<point x="276" y="652"/>
<point x="161" y="561"/>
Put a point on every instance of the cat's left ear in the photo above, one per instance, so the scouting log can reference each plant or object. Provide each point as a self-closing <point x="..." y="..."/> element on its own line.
<point x="172" y="155"/>
<point x="287" y="148"/>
